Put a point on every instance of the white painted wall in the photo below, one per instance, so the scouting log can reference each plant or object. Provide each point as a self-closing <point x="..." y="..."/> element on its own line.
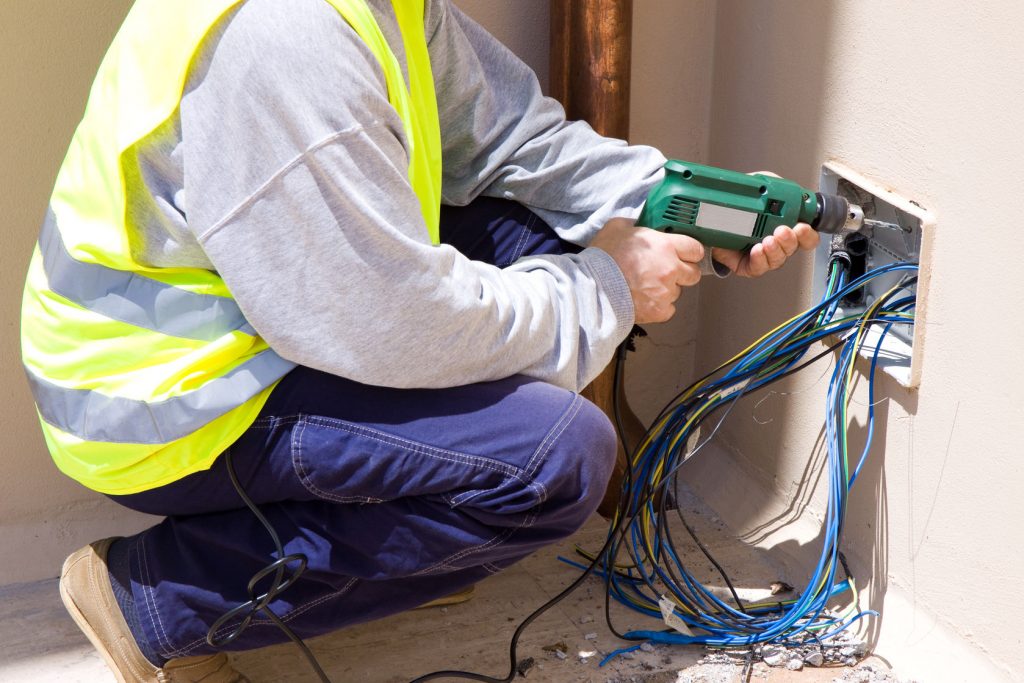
<point x="926" y="98"/>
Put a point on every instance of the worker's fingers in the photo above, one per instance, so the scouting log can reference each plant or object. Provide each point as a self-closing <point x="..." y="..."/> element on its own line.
<point x="787" y="239"/>
<point x="806" y="236"/>
<point x="687" y="248"/>
<point x="689" y="274"/>
<point x="655" y="265"/>
<point x="651" y="312"/>
<point x="773" y="252"/>
<point x="757" y="262"/>
<point x="730" y="258"/>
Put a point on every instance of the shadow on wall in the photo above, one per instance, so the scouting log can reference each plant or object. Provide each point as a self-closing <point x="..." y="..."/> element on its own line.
<point x="766" y="114"/>
<point x="865" y="534"/>
<point x="770" y="77"/>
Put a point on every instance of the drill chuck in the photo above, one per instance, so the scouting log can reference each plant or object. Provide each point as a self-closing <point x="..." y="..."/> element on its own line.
<point x="836" y="214"/>
<point x="832" y="213"/>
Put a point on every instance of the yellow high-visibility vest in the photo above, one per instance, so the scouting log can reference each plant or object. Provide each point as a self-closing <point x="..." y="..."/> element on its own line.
<point x="143" y="375"/>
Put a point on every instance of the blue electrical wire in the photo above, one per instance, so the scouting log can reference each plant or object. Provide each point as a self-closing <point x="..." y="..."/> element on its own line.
<point x="658" y="569"/>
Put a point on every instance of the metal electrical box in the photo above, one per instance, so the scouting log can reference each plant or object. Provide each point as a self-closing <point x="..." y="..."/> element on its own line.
<point x="907" y="238"/>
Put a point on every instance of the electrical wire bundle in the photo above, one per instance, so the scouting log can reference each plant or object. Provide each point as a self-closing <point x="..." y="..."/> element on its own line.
<point x="656" y="580"/>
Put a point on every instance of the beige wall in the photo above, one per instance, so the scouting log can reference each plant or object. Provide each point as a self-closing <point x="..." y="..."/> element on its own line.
<point x="521" y="25"/>
<point x="49" y="52"/>
<point x="927" y="99"/>
<point x="670" y="109"/>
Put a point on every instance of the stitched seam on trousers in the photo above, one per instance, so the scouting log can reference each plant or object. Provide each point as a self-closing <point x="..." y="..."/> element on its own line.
<point x="467" y="496"/>
<point x="273" y="421"/>
<point x="306" y="480"/>
<point x="488" y="567"/>
<point x="186" y="649"/>
<point x="446" y="563"/>
<point x="417" y="446"/>
<point x="556" y="430"/>
<point x="545" y="446"/>
<point x="303" y="475"/>
<point x="517" y="251"/>
<point x="164" y="643"/>
<point x="267" y="622"/>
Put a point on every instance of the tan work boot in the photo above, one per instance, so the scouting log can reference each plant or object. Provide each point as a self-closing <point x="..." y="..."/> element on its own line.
<point x="87" y="595"/>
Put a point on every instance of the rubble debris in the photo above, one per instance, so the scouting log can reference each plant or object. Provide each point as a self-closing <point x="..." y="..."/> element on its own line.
<point x="524" y="665"/>
<point x="780" y="587"/>
<point x="590" y="636"/>
<point x="586" y="619"/>
<point x="795" y="664"/>
<point x="727" y="657"/>
<point x="587" y="654"/>
<point x="843" y="650"/>
<point x="868" y="673"/>
<point x="814" y="658"/>
<point x="647" y="647"/>
<point x="560" y="646"/>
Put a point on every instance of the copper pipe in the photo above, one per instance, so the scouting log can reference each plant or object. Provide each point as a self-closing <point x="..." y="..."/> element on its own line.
<point x="591" y="44"/>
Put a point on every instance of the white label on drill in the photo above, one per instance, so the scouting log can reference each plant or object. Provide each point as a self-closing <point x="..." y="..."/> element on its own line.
<point x="726" y="219"/>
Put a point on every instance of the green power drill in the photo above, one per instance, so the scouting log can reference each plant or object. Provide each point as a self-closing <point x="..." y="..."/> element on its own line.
<point x="721" y="208"/>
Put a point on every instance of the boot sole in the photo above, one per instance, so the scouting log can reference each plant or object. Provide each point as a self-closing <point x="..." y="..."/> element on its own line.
<point x="82" y="622"/>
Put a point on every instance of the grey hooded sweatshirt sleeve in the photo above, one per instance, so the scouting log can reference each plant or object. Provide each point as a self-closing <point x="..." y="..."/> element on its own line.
<point x="286" y="172"/>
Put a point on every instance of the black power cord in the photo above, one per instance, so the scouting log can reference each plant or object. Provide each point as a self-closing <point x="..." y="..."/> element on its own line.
<point x="617" y="530"/>
<point x="261" y="602"/>
<point x="279" y="583"/>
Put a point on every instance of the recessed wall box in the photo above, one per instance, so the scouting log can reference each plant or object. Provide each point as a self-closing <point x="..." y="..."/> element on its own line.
<point x="907" y="237"/>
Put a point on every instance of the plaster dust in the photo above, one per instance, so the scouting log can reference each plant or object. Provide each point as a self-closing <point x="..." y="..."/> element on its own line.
<point x="472" y="635"/>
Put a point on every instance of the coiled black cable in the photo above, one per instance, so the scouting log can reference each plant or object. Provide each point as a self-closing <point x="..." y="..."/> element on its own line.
<point x="261" y="603"/>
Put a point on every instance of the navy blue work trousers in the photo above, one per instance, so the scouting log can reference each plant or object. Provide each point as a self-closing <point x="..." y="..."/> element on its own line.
<point x="396" y="497"/>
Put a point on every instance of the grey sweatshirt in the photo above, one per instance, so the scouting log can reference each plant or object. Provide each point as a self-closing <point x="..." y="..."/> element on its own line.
<point x="285" y="170"/>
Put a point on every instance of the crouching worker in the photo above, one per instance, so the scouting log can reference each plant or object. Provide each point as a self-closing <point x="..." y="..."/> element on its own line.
<point x="246" y="282"/>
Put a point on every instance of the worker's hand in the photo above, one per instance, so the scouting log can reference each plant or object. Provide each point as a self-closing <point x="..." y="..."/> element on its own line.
<point x="656" y="265"/>
<point x="770" y="253"/>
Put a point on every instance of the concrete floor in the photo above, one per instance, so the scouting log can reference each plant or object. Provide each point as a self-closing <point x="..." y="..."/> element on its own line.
<point x="39" y="642"/>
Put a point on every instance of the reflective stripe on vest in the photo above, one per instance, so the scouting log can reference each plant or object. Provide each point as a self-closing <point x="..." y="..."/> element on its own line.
<point x="144" y="375"/>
